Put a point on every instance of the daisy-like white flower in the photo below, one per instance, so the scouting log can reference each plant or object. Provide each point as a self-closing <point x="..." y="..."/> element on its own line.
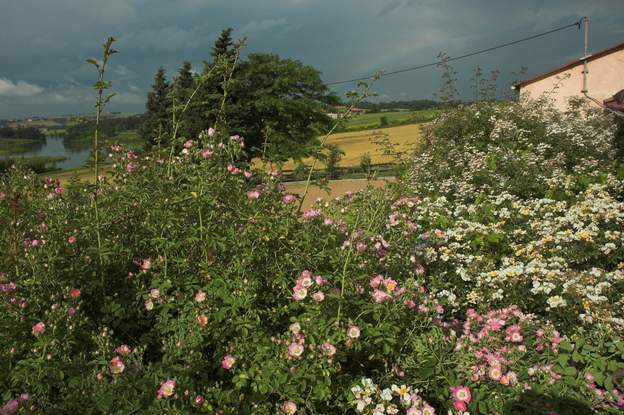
<point x="403" y="392"/>
<point x="380" y="409"/>
<point x="386" y="394"/>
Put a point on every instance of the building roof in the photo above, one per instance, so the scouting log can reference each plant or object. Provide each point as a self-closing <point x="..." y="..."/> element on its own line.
<point x="569" y="65"/>
<point x="616" y="102"/>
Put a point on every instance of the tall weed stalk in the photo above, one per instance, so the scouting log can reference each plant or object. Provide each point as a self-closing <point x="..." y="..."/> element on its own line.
<point x="101" y="100"/>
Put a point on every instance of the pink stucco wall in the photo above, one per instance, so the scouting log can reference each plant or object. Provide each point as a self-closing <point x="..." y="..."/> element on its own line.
<point x="605" y="78"/>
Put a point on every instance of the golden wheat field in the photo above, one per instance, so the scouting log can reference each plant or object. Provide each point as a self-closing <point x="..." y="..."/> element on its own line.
<point x="356" y="144"/>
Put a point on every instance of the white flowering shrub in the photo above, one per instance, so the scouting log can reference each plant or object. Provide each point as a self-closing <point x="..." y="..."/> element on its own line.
<point x="530" y="203"/>
<point x="527" y="149"/>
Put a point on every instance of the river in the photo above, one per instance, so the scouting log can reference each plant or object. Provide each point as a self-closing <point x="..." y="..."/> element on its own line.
<point x="75" y="156"/>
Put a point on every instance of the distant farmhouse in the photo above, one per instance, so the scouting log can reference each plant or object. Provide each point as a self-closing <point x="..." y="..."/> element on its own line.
<point x="338" y="110"/>
<point x="605" y="78"/>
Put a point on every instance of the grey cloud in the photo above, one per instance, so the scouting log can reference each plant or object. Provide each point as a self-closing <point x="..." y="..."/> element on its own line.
<point x="165" y="39"/>
<point x="255" y="27"/>
<point x="18" y="89"/>
<point x="389" y="8"/>
<point x="45" y="43"/>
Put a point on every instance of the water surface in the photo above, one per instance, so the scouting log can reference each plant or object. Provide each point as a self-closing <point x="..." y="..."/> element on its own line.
<point x="76" y="153"/>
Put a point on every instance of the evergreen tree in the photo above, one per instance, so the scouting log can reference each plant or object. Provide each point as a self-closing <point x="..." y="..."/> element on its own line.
<point x="203" y="110"/>
<point x="223" y="45"/>
<point x="185" y="76"/>
<point x="157" y="125"/>
<point x="184" y="85"/>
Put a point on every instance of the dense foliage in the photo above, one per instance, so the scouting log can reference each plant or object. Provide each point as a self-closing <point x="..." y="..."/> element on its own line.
<point x="204" y="289"/>
<point x="278" y="104"/>
<point x="21" y="132"/>
<point x="38" y="164"/>
<point x="157" y="125"/>
<point x="82" y="130"/>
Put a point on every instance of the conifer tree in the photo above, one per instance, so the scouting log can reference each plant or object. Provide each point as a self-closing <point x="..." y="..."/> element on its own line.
<point x="157" y="125"/>
<point x="223" y="45"/>
<point x="185" y="76"/>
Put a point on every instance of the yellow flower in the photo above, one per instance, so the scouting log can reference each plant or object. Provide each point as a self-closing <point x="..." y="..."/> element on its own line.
<point x="585" y="236"/>
<point x="194" y="194"/>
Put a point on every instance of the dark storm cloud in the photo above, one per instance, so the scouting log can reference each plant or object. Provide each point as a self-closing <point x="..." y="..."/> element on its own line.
<point x="43" y="43"/>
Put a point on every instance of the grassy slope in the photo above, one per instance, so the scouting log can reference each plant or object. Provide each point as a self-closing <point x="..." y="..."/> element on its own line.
<point x="373" y="120"/>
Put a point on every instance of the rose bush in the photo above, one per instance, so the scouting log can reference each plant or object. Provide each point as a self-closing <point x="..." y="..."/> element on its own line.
<point x="198" y="286"/>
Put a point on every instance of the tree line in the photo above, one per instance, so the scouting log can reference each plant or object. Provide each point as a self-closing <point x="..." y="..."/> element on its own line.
<point x="108" y="127"/>
<point x="414" y="105"/>
<point x="278" y="105"/>
<point x="21" y="132"/>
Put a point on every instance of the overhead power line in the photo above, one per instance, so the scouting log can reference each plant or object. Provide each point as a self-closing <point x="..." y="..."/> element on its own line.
<point x="467" y="55"/>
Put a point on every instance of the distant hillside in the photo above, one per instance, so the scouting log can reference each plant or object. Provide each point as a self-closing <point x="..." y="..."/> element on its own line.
<point x="418" y="104"/>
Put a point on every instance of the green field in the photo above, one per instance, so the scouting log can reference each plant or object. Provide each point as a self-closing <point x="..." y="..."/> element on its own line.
<point x="129" y="138"/>
<point x="369" y="121"/>
<point x="15" y="146"/>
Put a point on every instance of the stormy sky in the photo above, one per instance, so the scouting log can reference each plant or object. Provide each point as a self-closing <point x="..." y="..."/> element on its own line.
<point x="43" y="43"/>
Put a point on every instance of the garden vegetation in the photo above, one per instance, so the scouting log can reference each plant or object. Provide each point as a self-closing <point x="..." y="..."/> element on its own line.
<point x="487" y="280"/>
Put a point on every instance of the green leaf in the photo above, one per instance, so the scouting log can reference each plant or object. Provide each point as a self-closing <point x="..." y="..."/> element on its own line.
<point x="563" y="359"/>
<point x="608" y="383"/>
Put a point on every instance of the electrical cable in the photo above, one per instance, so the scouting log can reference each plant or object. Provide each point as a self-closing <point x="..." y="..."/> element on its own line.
<point x="467" y="55"/>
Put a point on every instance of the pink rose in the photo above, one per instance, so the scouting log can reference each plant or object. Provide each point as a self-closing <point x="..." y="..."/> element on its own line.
<point x="380" y="296"/>
<point x="288" y="198"/>
<point x="289" y="408"/>
<point x="353" y="332"/>
<point x="200" y="296"/>
<point x="328" y="348"/>
<point x="167" y="389"/>
<point x="38" y="328"/>
<point x="318" y="296"/>
<point x="254" y="194"/>
<point x="116" y="366"/>
<point x="299" y="293"/>
<point x="295" y="349"/>
<point x="124" y="349"/>
<point x="146" y="264"/>
<point x="376" y="281"/>
<point x="228" y="362"/>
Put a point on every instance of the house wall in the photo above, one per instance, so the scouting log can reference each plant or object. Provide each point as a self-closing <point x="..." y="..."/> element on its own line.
<point x="605" y="78"/>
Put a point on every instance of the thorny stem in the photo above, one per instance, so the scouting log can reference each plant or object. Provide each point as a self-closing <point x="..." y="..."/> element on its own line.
<point x="226" y="81"/>
<point x="176" y="123"/>
<point x="100" y="103"/>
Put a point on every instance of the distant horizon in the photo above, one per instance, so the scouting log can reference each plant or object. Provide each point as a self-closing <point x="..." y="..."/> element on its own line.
<point x="131" y="113"/>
